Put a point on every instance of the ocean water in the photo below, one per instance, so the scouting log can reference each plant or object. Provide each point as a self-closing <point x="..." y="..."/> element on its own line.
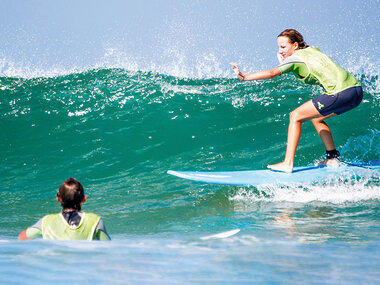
<point x="119" y="131"/>
<point x="115" y="93"/>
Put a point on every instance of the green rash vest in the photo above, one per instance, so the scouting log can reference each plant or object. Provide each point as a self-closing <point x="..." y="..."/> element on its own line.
<point x="55" y="226"/>
<point x="312" y="66"/>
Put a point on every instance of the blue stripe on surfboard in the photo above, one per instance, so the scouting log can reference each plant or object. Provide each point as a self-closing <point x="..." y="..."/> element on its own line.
<point x="300" y="175"/>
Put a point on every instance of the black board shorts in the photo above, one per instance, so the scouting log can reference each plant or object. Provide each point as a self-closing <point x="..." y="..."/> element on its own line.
<point x="340" y="102"/>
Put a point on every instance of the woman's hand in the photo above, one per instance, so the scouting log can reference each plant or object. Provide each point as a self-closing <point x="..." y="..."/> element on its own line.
<point x="236" y="69"/>
<point x="264" y="74"/>
<point x="280" y="57"/>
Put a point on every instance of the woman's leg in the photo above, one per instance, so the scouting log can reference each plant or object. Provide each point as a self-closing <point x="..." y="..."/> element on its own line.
<point x="303" y="113"/>
<point x="324" y="132"/>
<point x="327" y="139"/>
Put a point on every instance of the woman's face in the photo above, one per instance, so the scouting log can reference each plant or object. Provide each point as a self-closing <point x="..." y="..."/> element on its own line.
<point x="285" y="48"/>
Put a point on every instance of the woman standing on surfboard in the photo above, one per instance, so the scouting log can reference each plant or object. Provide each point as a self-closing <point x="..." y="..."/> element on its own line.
<point x="342" y="92"/>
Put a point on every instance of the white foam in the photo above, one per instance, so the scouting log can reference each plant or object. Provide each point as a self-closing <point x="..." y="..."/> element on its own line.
<point x="337" y="193"/>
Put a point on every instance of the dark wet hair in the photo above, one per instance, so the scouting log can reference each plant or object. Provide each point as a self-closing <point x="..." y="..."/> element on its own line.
<point x="71" y="193"/>
<point x="294" y="36"/>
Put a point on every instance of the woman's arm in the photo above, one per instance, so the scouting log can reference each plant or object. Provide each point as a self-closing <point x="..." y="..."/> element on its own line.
<point x="264" y="74"/>
<point x="101" y="232"/>
<point x="30" y="233"/>
<point x="280" y="58"/>
<point x="23" y="235"/>
<point x="100" y="235"/>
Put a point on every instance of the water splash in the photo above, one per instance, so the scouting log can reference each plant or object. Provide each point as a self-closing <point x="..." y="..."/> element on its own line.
<point x="336" y="192"/>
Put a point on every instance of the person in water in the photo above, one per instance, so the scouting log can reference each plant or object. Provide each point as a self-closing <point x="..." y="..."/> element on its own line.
<point x="342" y="92"/>
<point x="71" y="223"/>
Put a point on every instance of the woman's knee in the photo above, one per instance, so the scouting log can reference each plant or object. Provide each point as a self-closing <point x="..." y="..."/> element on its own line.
<point x="303" y="113"/>
<point x="294" y="116"/>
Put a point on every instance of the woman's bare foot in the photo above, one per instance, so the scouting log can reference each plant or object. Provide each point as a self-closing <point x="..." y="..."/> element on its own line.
<point x="282" y="166"/>
<point x="332" y="162"/>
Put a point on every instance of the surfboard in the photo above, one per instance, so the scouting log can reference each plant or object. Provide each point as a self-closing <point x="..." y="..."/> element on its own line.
<point x="221" y="235"/>
<point x="300" y="175"/>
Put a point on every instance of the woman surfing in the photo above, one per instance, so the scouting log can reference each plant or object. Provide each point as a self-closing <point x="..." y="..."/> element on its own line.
<point x="342" y="92"/>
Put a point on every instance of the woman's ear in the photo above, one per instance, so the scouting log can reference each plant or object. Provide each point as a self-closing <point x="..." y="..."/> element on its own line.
<point x="59" y="200"/>
<point x="84" y="199"/>
<point x="296" y="45"/>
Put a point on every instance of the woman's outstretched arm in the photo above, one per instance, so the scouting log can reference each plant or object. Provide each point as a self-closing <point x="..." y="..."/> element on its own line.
<point x="264" y="74"/>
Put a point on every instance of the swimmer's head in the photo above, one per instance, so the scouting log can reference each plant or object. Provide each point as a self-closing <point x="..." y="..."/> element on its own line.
<point x="294" y="37"/>
<point x="71" y="194"/>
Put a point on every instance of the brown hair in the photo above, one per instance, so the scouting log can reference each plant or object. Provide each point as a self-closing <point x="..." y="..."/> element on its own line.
<point x="71" y="193"/>
<point x="294" y="36"/>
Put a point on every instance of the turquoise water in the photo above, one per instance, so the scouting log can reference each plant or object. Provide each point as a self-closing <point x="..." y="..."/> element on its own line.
<point x="118" y="132"/>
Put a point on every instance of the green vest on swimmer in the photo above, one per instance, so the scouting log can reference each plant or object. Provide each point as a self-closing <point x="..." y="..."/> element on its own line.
<point x="55" y="226"/>
<point x="323" y="71"/>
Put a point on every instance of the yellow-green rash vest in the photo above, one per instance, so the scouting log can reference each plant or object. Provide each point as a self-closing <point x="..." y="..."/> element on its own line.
<point x="55" y="226"/>
<point x="312" y="66"/>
